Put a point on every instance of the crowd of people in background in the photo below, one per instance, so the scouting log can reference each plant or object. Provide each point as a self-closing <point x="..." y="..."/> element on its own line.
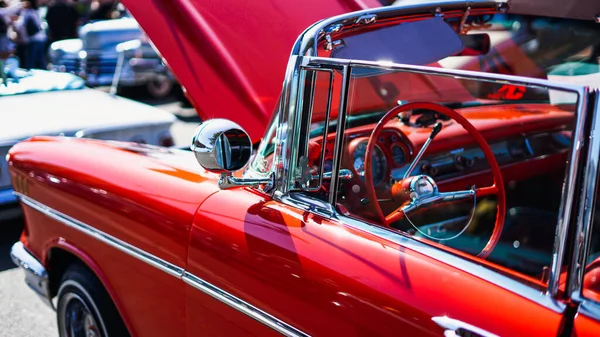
<point x="28" y="27"/>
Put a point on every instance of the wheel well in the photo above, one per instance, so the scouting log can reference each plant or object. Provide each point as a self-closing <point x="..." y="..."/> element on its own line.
<point x="58" y="261"/>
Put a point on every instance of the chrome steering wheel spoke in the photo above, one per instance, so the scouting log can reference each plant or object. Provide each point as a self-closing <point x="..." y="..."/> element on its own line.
<point x="440" y="198"/>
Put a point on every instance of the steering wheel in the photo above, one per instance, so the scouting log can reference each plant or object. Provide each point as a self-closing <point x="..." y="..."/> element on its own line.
<point x="421" y="191"/>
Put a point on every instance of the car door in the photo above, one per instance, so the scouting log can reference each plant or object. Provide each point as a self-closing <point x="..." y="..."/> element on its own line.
<point x="262" y="267"/>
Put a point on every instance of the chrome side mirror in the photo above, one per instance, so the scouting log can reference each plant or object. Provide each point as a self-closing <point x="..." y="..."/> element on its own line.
<point x="222" y="146"/>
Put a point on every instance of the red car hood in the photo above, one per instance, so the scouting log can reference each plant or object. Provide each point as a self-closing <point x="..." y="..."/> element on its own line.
<point x="231" y="55"/>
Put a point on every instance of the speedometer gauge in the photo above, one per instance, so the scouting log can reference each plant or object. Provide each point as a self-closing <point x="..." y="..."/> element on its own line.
<point x="398" y="155"/>
<point x="379" y="162"/>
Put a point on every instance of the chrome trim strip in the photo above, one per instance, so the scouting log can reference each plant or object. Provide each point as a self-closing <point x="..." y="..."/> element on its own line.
<point x="36" y="276"/>
<point x="167" y="267"/>
<point x="452" y="327"/>
<point x="309" y="40"/>
<point x="338" y="149"/>
<point x="449" y="72"/>
<point x="590" y="309"/>
<point x="123" y="246"/>
<point x="467" y="266"/>
<point x="586" y="208"/>
<point x="568" y="193"/>
<point x="242" y="306"/>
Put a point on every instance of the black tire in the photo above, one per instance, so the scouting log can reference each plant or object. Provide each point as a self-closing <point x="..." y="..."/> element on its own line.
<point x="84" y="307"/>
<point x="160" y="87"/>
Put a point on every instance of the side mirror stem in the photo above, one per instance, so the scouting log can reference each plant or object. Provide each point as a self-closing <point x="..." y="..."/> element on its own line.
<point x="228" y="181"/>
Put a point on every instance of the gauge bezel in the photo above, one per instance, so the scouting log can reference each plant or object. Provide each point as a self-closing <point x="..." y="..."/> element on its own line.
<point x="406" y="155"/>
<point x="384" y="155"/>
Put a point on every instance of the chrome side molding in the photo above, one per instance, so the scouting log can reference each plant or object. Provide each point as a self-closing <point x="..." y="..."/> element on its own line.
<point x="455" y="327"/>
<point x="37" y="277"/>
<point x="242" y="306"/>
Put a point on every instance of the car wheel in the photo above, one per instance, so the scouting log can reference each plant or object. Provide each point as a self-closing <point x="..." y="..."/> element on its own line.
<point x="160" y="87"/>
<point x="84" y="307"/>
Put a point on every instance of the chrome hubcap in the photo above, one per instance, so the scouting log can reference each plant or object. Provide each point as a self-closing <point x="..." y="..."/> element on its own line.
<point x="78" y="319"/>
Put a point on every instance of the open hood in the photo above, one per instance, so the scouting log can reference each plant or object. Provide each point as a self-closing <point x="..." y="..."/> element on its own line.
<point x="231" y="55"/>
<point x="573" y="9"/>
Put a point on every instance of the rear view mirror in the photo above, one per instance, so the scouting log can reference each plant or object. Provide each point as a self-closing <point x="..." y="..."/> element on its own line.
<point x="221" y="146"/>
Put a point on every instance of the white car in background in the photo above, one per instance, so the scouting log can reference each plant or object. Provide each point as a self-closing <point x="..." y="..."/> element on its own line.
<point x="40" y="102"/>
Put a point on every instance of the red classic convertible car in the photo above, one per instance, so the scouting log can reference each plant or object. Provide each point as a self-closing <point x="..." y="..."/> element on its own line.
<point x="430" y="169"/>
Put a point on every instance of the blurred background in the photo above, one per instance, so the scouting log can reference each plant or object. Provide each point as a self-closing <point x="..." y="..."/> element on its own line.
<point x="82" y="69"/>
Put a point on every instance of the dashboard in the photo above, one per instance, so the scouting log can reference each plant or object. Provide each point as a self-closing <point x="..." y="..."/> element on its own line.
<point x="463" y="161"/>
<point x="393" y="152"/>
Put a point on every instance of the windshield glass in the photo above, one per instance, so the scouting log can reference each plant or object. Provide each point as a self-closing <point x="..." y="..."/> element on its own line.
<point x="566" y="51"/>
<point x="561" y="50"/>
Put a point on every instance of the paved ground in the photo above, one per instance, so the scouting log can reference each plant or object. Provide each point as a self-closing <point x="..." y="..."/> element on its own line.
<point x="21" y="312"/>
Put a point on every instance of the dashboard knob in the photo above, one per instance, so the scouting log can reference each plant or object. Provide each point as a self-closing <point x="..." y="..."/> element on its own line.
<point x="462" y="162"/>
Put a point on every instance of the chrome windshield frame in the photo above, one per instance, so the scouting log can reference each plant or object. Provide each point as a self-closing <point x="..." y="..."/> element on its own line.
<point x="304" y="54"/>
<point x="567" y="201"/>
<point x="306" y="45"/>
<point x="583" y="231"/>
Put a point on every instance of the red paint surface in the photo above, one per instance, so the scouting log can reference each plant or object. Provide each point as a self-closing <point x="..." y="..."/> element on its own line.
<point x="148" y="202"/>
<point x="585" y="326"/>
<point x="323" y="277"/>
<point x="328" y="279"/>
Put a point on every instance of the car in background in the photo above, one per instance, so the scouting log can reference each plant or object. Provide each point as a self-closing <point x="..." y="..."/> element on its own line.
<point x="94" y="56"/>
<point x="40" y="102"/>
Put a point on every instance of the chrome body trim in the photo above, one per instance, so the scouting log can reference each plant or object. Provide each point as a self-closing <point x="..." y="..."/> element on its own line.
<point x="568" y="194"/>
<point x="449" y="72"/>
<point x="36" y="276"/>
<point x="310" y="38"/>
<point x="242" y="306"/>
<point x="338" y="149"/>
<point x="484" y="273"/>
<point x="123" y="246"/>
<point x="285" y="130"/>
<point x="322" y="156"/>
<point x="30" y="264"/>
<point x="453" y="326"/>
<point x="583" y="232"/>
<point x="590" y="309"/>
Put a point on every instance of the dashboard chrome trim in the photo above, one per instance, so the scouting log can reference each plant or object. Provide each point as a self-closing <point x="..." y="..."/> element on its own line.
<point x="167" y="267"/>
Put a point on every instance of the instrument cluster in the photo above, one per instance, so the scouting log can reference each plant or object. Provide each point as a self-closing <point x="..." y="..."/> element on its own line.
<point x="391" y="152"/>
